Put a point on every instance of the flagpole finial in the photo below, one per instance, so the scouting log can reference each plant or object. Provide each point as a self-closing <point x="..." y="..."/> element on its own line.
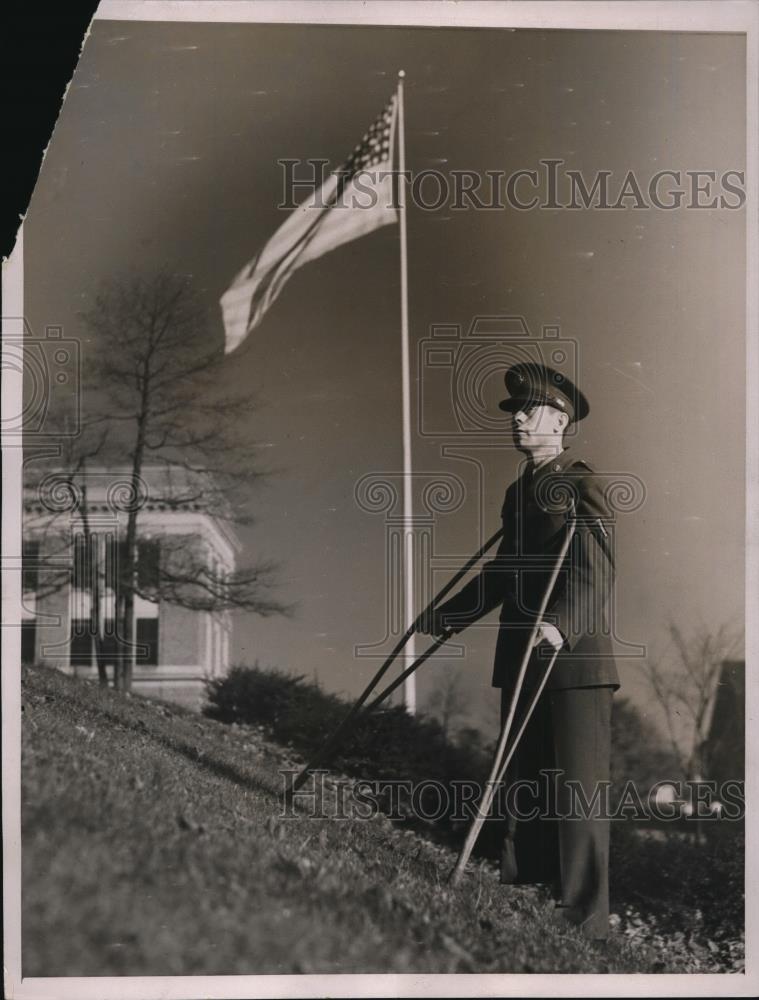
<point x="401" y="73"/>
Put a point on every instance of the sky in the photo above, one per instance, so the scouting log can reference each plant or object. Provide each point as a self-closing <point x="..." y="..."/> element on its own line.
<point x="166" y="152"/>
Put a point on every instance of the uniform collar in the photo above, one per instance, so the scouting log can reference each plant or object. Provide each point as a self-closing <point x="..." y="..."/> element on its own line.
<point x="557" y="464"/>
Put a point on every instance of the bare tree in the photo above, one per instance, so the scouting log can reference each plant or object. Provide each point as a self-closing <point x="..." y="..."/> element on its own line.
<point x="684" y="683"/>
<point x="156" y="380"/>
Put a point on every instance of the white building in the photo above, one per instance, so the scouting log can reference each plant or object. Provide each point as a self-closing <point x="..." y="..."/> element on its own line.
<point x="178" y="647"/>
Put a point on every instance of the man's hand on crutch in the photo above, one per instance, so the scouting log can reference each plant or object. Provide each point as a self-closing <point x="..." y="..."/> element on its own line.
<point x="547" y="633"/>
<point x="433" y="623"/>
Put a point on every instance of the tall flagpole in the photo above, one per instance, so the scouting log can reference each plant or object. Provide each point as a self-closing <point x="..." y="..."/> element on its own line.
<point x="409" y="685"/>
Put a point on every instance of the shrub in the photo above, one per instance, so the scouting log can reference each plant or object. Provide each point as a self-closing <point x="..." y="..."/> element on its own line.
<point x="389" y="744"/>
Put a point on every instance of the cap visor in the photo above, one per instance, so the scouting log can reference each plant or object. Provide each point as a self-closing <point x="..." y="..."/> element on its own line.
<point x="511" y="405"/>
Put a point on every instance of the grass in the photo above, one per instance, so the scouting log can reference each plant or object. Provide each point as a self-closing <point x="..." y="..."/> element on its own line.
<point x="153" y="844"/>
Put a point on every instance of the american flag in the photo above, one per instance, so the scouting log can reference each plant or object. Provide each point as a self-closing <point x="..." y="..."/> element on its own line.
<point x="355" y="200"/>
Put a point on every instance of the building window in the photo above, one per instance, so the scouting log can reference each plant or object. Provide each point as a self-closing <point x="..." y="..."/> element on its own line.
<point x="111" y="570"/>
<point x="84" y="576"/>
<point x="81" y="652"/>
<point x="30" y="567"/>
<point x="29" y="582"/>
<point x="148" y="562"/>
<point x="81" y="649"/>
<point x="147" y="636"/>
<point x="28" y="638"/>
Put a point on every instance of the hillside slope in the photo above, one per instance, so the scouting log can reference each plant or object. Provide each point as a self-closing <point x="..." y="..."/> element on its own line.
<point x="153" y="845"/>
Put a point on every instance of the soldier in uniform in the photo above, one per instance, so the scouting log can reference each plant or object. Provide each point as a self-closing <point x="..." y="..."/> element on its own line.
<point x="568" y="737"/>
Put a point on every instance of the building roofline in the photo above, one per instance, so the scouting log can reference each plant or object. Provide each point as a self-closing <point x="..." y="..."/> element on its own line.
<point x="101" y="502"/>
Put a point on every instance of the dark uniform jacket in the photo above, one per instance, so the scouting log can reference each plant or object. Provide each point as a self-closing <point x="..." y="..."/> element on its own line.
<point x="535" y="518"/>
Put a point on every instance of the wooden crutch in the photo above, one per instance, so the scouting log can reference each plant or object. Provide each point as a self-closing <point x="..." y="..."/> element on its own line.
<point x="499" y="765"/>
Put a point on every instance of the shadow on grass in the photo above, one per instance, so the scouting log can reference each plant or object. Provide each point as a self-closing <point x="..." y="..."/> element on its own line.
<point x="196" y="755"/>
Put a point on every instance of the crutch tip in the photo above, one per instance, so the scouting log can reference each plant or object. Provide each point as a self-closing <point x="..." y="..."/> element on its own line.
<point x="455" y="877"/>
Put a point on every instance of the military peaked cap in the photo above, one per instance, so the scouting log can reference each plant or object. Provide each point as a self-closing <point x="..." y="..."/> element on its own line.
<point x="531" y="384"/>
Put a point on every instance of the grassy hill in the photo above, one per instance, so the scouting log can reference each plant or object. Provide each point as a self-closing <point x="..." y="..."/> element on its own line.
<point x="153" y="844"/>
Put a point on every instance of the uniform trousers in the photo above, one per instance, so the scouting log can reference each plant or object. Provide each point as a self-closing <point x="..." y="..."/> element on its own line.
<point x="569" y="733"/>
